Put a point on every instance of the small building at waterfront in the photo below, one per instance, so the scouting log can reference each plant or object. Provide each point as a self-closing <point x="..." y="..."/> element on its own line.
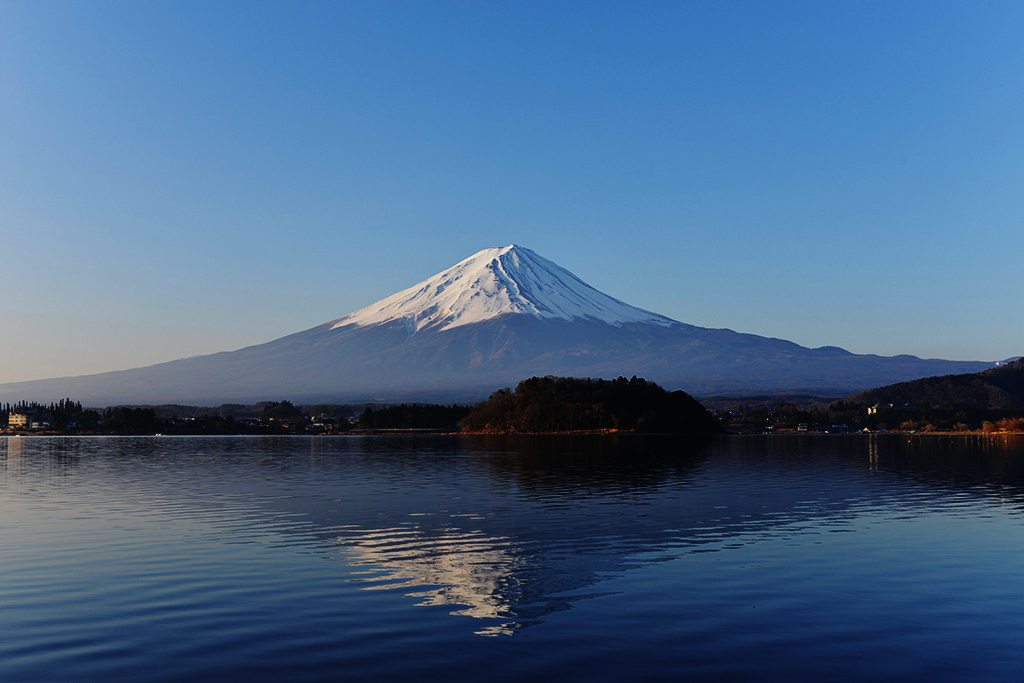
<point x="873" y="410"/>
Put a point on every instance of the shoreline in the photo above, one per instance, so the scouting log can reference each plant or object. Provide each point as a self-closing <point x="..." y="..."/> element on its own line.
<point x="441" y="432"/>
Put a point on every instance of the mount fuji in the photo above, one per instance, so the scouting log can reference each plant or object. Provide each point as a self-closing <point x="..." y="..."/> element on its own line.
<point x="499" y="316"/>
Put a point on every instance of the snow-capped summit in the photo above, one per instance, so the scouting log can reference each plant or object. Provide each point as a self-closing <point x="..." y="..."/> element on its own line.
<point x="496" y="282"/>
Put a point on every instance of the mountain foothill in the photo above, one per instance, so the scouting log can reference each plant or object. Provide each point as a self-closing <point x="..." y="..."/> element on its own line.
<point x="1002" y="386"/>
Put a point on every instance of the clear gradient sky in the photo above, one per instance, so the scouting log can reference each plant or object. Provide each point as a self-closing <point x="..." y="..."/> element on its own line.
<point x="180" y="178"/>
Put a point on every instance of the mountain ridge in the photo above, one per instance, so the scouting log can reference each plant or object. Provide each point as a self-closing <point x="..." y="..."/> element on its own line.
<point x="492" y="320"/>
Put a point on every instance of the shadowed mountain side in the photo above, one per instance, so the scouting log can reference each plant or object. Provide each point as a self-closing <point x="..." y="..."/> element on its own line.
<point x="997" y="387"/>
<point x="387" y="361"/>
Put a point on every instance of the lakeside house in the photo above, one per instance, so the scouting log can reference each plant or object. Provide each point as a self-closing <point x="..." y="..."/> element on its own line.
<point x="29" y="420"/>
<point x="19" y="420"/>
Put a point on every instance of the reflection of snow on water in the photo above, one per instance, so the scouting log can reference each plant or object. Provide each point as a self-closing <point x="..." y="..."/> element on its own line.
<point x="464" y="568"/>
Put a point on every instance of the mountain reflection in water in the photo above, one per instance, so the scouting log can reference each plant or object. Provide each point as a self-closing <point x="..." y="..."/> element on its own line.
<point x="467" y="569"/>
<point x="490" y="565"/>
<point x="564" y="514"/>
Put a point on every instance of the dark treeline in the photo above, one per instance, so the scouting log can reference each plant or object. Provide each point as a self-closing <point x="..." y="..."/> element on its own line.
<point x="264" y="417"/>
<point x="566" y="404"/>
<point x="413" y="416"/>
<point x="849" y="415"/>
<point x="539" y="404"/>
<point x="125" y="420"/>
<point x="60" y="415"/>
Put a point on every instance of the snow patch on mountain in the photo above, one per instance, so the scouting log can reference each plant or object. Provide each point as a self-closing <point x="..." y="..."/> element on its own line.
<point x="495" y="282"/>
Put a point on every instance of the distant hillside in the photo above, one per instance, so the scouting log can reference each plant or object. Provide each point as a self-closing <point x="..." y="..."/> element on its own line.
<point x="997" y="387"/>
<point x="768" y="401"/>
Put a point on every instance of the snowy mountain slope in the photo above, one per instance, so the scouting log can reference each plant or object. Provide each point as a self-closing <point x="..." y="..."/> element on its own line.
<point x="496" y="282"/>
<point x="500" y="316"/>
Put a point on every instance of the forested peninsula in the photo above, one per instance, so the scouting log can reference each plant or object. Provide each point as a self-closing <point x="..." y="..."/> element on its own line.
<point x="570" y="404"/>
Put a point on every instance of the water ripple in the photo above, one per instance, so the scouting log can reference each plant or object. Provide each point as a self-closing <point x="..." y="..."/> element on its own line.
<point x="739" y="558"/>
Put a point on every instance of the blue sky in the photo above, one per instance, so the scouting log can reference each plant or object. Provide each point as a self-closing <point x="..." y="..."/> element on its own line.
<point x="180" y="178"/>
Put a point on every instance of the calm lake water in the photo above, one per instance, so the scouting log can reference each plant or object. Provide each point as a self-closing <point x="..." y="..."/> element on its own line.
<point x="816" y="558"/>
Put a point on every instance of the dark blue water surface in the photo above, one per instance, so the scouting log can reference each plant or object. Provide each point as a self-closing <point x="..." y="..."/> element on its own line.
<point x="815" y="558"/>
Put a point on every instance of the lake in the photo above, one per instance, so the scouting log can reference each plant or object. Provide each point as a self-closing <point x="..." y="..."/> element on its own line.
<point x="486" y="558"/>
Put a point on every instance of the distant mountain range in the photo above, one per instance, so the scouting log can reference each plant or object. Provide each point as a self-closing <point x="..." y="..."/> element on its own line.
<point x="502" y="315"/>
<point x="997" y="387"/>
